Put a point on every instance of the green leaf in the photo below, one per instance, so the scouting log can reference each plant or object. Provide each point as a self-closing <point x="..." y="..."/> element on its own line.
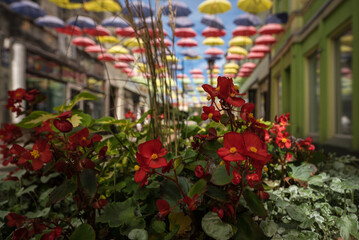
<point x="209" y="149"/>
<point x="247" y="229"/>
<point x="180" y="219"/>
<point x="224" y="119"/>
<point x="348" y="226"/>
<point x="189" y="131"/>
<point x="23" y="190"/>
<point x="173" y="233"/>
<point x="105" y="120"/>
<point x="80" y="119"/>
<point x="45" y="179"/>
<point x="198" y="188"/>
<point x="80" y="97"/>
<point x="41" y="213"/>
<point x="296" y="213"/>
<point x="269" y="227"/>
<point x="216" y="193"/>
<point x="83" y="232"/>
<point x="220" y="176"/>
<point x="171" y="193"/>
<point x="189" y="155"/>
<point x="61" y="192"/>
<point x="138" y="234"/>
<point x="303" y="172"/>
<point x="88" y="181"/>
<point x="254" y="204"/>
<point x="213" y="226"/>
<point x="144" y="116"/>
<point x="196" y="119"/>
<point x="35" y="119"/>
<point x="158" y="226"/>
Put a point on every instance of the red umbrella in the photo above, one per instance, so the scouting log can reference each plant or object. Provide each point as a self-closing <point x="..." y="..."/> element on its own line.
<point x="241" y="74"/>
<point x="214" y="76"/>
<point x="98" y="31"/>
<point x="156" y="32"/>
<point x="244" y="31"/>
<point x="181" y="75"/>
<point x="249" y="65"/>
<point x="126" y="70"/>
<point x="232" y="56"/>
<point x="126" y="58"/>
<point x="214" y="51"/>
<point x="187" y="42"/>
<point x="106" y="57"/>
<point x="83" y="41"/>
<point x="121" y="65"/>
<point x="196" y="71"/>
<point x="125" y="32"/>
<point x="167" y="42"/>
<point x="260" y="48"/>
<point x="185" y="32"/>
<point x="229" y="75"/>
<point x="255" y="55"/>
<point x="271" y="28"/>
<point x="138" y="50"/>
<point x="198" y="76"/>
<point x="245" y="70"/>
<point x="132" y="74"/>
<point x="214" y="67"/>
<point x="213" y="32"/>
<point x="265" y="40"/>
<point x="70" y="30"/>
<point x="95" y="49"/>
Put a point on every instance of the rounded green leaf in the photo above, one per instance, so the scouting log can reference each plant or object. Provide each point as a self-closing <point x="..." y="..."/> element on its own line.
<point x="83" y="232"/>
<point x="213" y="226"/>
<point x="254" y="204"/>
<point x="198" y="188"/>
<point x="220" y="176"/>
<point x="138" y="234"/>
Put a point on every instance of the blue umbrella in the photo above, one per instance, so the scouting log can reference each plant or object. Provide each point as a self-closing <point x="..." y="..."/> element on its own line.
<point x="248" y="20"/>
<point x="114" y="22"/>
<point x="182" y="22"/>
<point x="138" y="9"/>
<point x="9" y="1"/>
<point x="212" y="21"/>
<point x="280" y="18"/>
<point x="189" y="53"/>
<point x="213" y="57"/>
<point x="78" y="1"/>
<point x="50" y="21"/>
<point x="179" y="9"/>
<point x="82" y="22"/>
<point x="27" y="9"/>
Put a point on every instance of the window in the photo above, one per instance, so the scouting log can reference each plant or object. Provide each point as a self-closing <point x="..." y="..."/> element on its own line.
<point x="314" y="91"/>
<point x="344" y="80"/>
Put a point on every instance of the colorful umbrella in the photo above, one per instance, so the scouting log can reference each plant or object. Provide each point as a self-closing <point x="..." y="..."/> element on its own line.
<point x="182" y="22"/>
<point x="27" y="9"/>
<point x="237" y="57"/>
<point x="229" y="75"/>
<point x="192" y="58"/>
<point x="187" y="42"/>
<point x="237" y="50"/>
<point x="212" y="21"/>
<point x="114" y="22"/>
<point x="265" y="40"/>
<point x="107" y="39"/>
<point x="249" y="65"/>
<point x="245" y="70"/>
<point x="248" y="20"/>
<point x="171" y="58"/>
<point x="83" y="41"/>
<point x="213" y="32"/>
<point x="102" y="6"/>
<point x="133" y="42"/>
<point x="242" y="74"/>
<point x="179" y="9"/>
<point x="213" y="41"/>
<point x="125" y="32"/>
<point x="181" y="75"/>
<point x="214" y="67"/>
<point x="260" y="48"/>
<point x="138" y="50"/>
<point x="138" y="9"/>
<point x="126" y="70"/>
<point x="240" y="41"/>
<point x="196" y="71"/>
<point x="98" y="31"/>
<point x="214" y="51"/>
<point x="126" y="58"/>
<point x="280" y="18"/>
<point x="214" y="71"/>
<point x="256" y="55"/>
<point x="155" y="33"/>
<point x="214" y="6"/>
<point x="189" y="53"/>
<point x="118" y="50"/>
<point x="254" y="6"/>
<point x="214" y="76"/>
<point x="67" y="4"/>
<point x="9" y="1"/>
<point x="197" y="76"/>
<point x="70" y="30"/>
<point x="271" y="28"/>
<point x="213" y="57"/>
<point x="50" y="21"/>
<point x="244" y="31"/>
<point x="158" y="41"/>
<point x="95" y="49"/>
<point x="230" y="71"/>
<point x="185" y="32"/>
<point x="231" y="65"/>
<point x="82" y="22"/>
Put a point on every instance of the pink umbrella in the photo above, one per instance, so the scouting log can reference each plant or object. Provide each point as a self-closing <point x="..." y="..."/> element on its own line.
<point x="214" y="51"/>
<point x="121" y="65"/>
<point x="187" y="42"/>
<point x="241" y="74"/>
<point x="214" y="67"/>
<point x="255" y="55"/>
<point x="271" y="28"/>
<point x="83" y="42"/>
<point x="167" y="42"/>
<point x="185" y="32"/>
<point x="260" y="48"/>
<point x="132" y="74"/>
<point x="237" y="57"/>
<point x="106" y="57"/>
<point x="265" y="40"/>
<point x="181" y="75"/>
<point x="98" y="31"/>
<point x="126" y="70"/>
<point x="213" y="32"/>
<point x="214" y="76"/>
<point x="198" y="76"/>
<point x="125" y="32"/>
<point x="70" y="30"/>
<point x="95" y="49"/>
<point x="229" y="75"/>
<point x="196" y="71"/>
<point x="126" y="58"/>
<point x="244" y="31"/>
<point x="138" y="50"/>
<point x="245" y="70"/>
<point x="156" y="32"/>
<point x="249" y="65"/>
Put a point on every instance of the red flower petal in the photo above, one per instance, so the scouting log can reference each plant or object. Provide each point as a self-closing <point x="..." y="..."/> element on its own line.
<point x="163" y="207"/>
<point x="63" y="125"/>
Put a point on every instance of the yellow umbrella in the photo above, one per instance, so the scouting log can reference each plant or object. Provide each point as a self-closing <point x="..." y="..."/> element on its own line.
<point x="347" y="39"/>
<point x="230" y="71"/>
<point x="186" y="80"/>
<point x="200" y="89"/>
<point x="108" y="39"/>
<point x="66" y="4"/>
<point x="192" y="58"/>
<point x="231" y="65"/>
<point x="214" y="71"/>
<point x="118" y="49"/>
<point x="213" y="41"/>
<point x="133" y="42"/>
<point x="141" y="67"/>
<point x="102" y="6"/>
<point x="171" y="58"/>
<point x="254" y="6"/>
<point x="237" y="50"/>
<point x="240" y="41"/>
<point x="198" y="81"/>
<point x="214" y="6"/>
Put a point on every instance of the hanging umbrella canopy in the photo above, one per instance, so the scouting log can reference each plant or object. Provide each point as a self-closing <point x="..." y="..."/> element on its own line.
<point x="179" y="9"/>
<point x="125" y="32"/>
<point x="214" y="6"/>
<point x="158" y="42"/>
<point x="214" y="71"/>
<point x="114" y="21"/>
<point x="126" y="70"/>
<point x="107" y="39"/>
<point x="82" y="22"/>
<point x="237" y="57"/>
<point x="213" y="41"/>
<point x="155" y="33"/>
<point x="214" y="76"/>
<point x="98" y="31"/>
<point x="244" y="31"/>
<point x="126" y="58"/>
<point x="256" y="55"/>
<point x="230" y="71"/>
<point x="214" y="67"/>
<point x="243" y="75"/>
<point x="240" y="41"/>
<point x="280" y="18"/>
<point x="102" y="6"/>
<point x="245" y="70"/>
<point x="50" y="21"/>
<point x="67" y="4"/>
<point x="171" y="58"/>
<point x="229" y="75"/>
<point x="133" y="42"/>
<point x="256" y="6"/>
<point x="248" y="20"/>
<point x="106" y="57"/>
<point x="181" y="76"/>
<point x="185" y="32"/>
<point x="249" y="65"/>
<point x="138" y="50"/>
<point x="189" y="53"/>
<point x="197" y="76"/>
<point x="118" y="50"/>
<point x="212" y="21"/>
<point x="192" y="58"/>
<point x="95" y="49"/>
<point x="181" y="22"/>
<point x="213" y="32"/>
<point x="214" y="51"/>
<point x="237" y="50"/>
<point x="9" y="1"/>
<point x="138" y="9"/>
<point x="70" y="30"/>
<point x="83" y="41"/>
<point x="265" y="40"/>
<point x="231" y="65"/>
<point x="196" y="71"/>
<point x="187" y="42"/>
<point x="271" y="28"/>
<point x="27" y="9"/>
<point x="213" y="57"/>
<point x="260" y="48"/>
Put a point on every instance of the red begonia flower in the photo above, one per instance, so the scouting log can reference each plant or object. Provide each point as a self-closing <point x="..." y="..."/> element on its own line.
<point x="30" y="96"/>
<point x="53" y="235"/>
<point x="167" y="169"/>
<point x="236" y="178"/>
<point x="228" y="92"/>
<point x="219" y="211"/>
<point x="10" y="133"/>
<point x="101" y="203"/>
<point x="163" y="207"/>
<point x="21" y="234"/>
<point x="306" y="144"/>
<point x="153" y="153"/>
<point x="211" y="91"/>
<point x="191" y="202"/>
<point x="142" y="170"/>
<point x="210" y="113"/>
<point x="246" y="112"/>
<point x="102" y="152"/>
<point x="252" y="179"/>
<point x="233" y="147"/>
<point x="61" y="122"/>
<point x="40" y="154"/>
<point x="17" y="95"/>
<point x="255" y="148"/>
<point x="283" y="140"/>
<point x="199" y="171"/>
<point x="14" y="219"/>
<point x="81" y="138"/>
